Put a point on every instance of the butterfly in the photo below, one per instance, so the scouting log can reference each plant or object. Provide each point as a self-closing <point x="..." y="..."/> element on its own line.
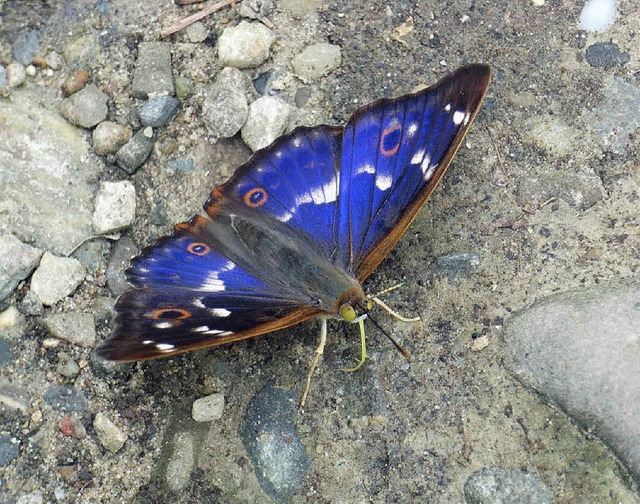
<point x="298" y="228"/>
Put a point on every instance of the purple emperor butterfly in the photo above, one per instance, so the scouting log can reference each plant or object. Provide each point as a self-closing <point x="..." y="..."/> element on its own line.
<point x="298" y="228"/>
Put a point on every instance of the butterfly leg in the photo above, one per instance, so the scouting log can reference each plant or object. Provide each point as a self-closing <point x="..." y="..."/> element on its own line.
<point x="316" y="358"/>
<point x="363" y="346"/>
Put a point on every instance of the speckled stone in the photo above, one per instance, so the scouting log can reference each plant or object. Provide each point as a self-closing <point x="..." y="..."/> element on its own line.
<point x="115" y="207"/>
<point x="86" y="108"/>
<point x="316" y="61"/>
<point x="267" y="120"/>
<point x="108" y="137"/>
<point x="135" y="152"/>
<point x="109" y="435"/>
<point x="208" y="409"/>
<point x="153" y="74"/>
<point x="56" y="278"/>
<point x="77" y="328"/>
<point x="158" y="111"/>
<point x="17" y="261"/>
<point x="246" y="45"/>
<point x="225" y="106"/>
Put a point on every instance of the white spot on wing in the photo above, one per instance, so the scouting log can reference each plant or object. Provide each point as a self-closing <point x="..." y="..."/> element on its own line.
<point x="213" y="283"/>
<point x="429" y="173"/>
<point x="202" y="328"/>
<point x="417" y="157"/>
<point x="198" y="303"/>
<point x="413" y="128"/>
<point x="220" y="312"/>
<point x="447" y="107"/>
<point x="164" y="325"/>
<point x="458" y="117"/>
<point x="148" y="342"/>
<point x="365" y="168"/>
<point x="383" y="182"/>
<point x="165" y="347"/>
<point x="297" y="142"/>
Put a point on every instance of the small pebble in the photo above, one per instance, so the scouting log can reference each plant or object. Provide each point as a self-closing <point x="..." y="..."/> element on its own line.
<point x="75" y="327"/>
<point x="31" y="71"/>
<point x="26" y="47"/>
<point x="86" y="108"/>
<point x="158" y="111"/>
<point x="262" y="83"/>
<point x="17" y="261"/>
<point x="302" y="96"/>
<point x="267" y="120"/>
<point x="70" y="425"/>
<point x="246" y="45"/>
<point x="109" y="435"/>
<point x="316" y="61"/>
<point x="207" y="409"/>
<point x="225" y="108"/>
<point x="16" y="74"/>
<point x="75" y="82"/>
<point x="9" y="318"/>
<point x="108" y="137"/>
<point x="153" y="74"/>
<point x="122" y="252"/>
<point x="184" y="87"/>
<point x="68" y="368"/>
<point x="135" y="152"/>
<point x="54" y="60"/>
<point x="115" y="207"/>
<point x="197" y="32"/>
<point x="606" y="55"/>
<point x="56" y="278"/>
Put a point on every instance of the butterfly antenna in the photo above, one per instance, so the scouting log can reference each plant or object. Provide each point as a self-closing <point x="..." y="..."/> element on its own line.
<point x="404" y="353"/>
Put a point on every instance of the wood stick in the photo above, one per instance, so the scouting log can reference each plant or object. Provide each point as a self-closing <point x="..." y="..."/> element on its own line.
<point x="196" y="17"/>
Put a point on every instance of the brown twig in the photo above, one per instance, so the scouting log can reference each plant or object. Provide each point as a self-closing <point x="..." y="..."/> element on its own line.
<point x="175" y="27"/>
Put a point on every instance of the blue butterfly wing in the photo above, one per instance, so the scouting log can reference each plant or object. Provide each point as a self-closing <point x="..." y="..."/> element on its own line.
<point x="187" y="295"/>
<point x="297" y="227"/>
<point x="294" y="180"/>
<point x="394" y="153"/>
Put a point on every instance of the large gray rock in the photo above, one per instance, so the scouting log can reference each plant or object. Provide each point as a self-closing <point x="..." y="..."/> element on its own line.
<point x="581" y="350"/>
<point x="45" y="173"/>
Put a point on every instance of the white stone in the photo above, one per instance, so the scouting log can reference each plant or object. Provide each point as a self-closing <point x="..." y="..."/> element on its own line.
<point x="77" y="328"/>
<point x="267" y="120"/>
<point x="115" y="207"/>
<point x="109" y="435"/>
<point x="209" y="408"/>
<point x="246" y="45"/>
<point x="598" y="15"/>
<point x="56" y="278"/>
<point x="316" y="61"/>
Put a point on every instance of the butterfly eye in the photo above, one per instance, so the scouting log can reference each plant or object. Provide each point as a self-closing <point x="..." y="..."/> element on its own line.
<point x="348" y="312"/>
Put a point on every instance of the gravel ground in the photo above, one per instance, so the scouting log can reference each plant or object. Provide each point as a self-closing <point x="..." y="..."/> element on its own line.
<point x="540" y="201"/>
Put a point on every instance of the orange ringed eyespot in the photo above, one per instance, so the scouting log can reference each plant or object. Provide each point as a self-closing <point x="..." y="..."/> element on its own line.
<point x="199" y="249"/>
<point x="170" y="313"/>
<point x="391" y="138"/>
<point x="256" y="197"/>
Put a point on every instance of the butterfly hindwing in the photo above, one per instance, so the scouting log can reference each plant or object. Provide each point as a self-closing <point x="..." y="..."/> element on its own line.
<point x="394" y="153"/>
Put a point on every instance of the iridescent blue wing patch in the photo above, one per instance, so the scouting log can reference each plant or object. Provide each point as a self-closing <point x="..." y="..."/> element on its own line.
<point x="394" y="153"/>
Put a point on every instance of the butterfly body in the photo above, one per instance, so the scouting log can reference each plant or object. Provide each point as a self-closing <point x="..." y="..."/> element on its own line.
<point x="297" y="229"/>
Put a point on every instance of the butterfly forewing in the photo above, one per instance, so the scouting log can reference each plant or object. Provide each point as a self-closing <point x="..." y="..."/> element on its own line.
<point x="394" y="153"/>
